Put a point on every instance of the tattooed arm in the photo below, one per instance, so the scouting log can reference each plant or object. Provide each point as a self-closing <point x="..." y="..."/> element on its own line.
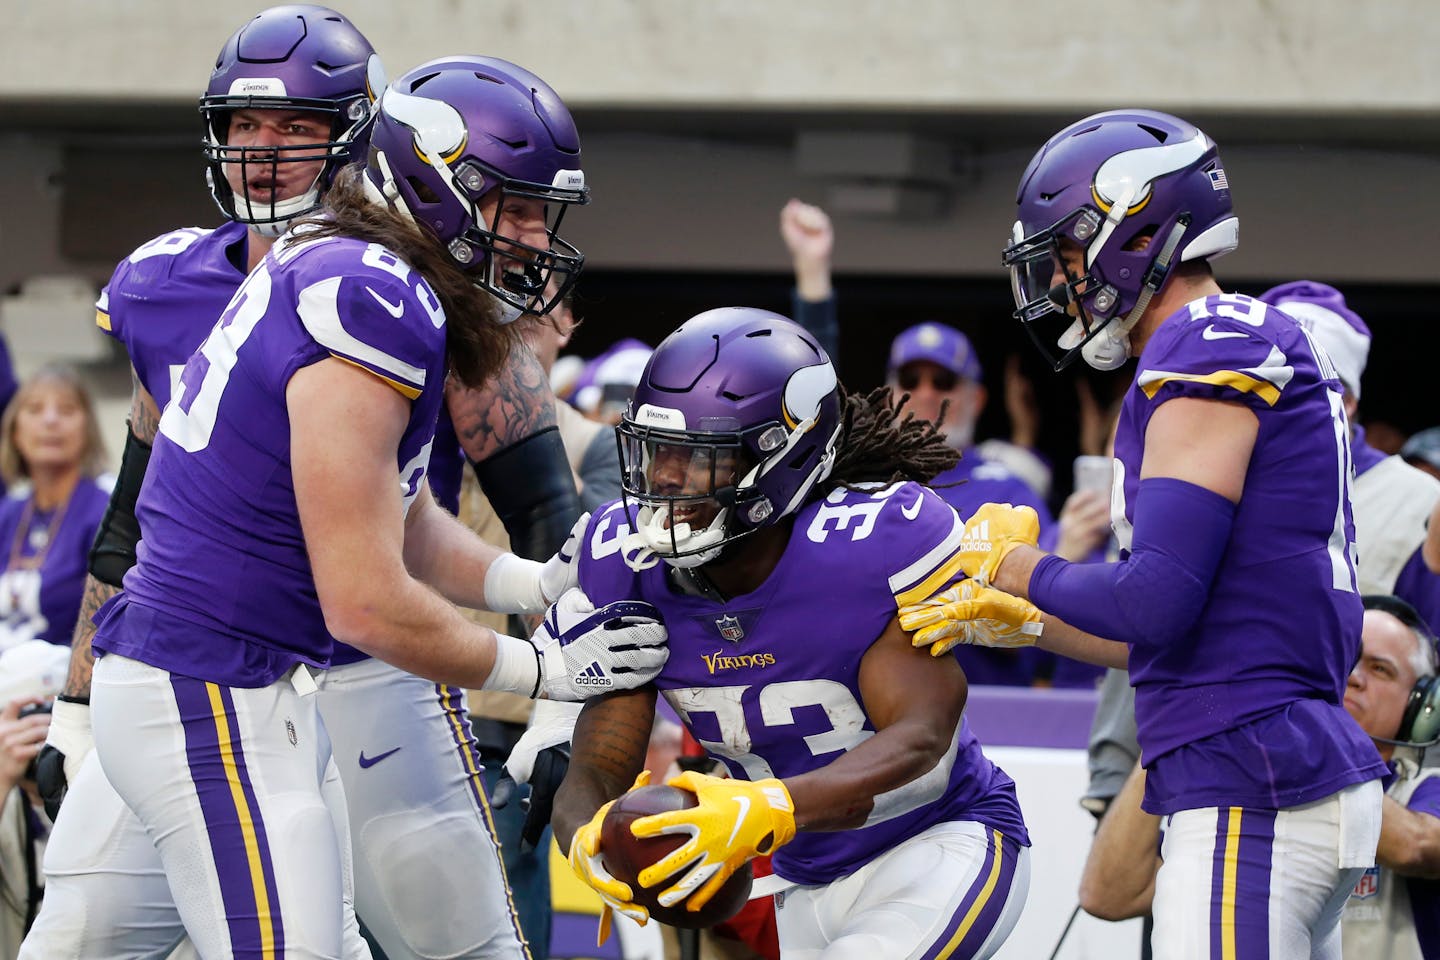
<point x="509" y="433"/>
<point x="144" y="426"/>
<point x="516" y="404"/>
<point x="607" y="752"/>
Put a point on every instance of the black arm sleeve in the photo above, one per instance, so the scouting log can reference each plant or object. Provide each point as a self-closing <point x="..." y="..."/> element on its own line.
<point x="113" y="552"/>
<point x="530" y="485"/>
<point x="818" y="317"/>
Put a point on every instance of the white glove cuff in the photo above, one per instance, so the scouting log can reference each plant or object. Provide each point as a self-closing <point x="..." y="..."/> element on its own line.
<point x="513" y="585"/>
<point x="70" y="728"/>
<point x="517" y="667"/>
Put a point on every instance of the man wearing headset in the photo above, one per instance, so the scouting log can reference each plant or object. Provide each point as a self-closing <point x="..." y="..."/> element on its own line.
<point x="1394" y="694"/>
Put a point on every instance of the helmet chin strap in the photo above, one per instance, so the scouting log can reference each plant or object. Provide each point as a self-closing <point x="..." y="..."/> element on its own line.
<point x="282" y="212"/>
<point x="1110" y="348"/>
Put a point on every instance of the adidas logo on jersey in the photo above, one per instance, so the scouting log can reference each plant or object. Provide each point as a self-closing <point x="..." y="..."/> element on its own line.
<point x="593" y="676"/>
<point x="977" y="538"/>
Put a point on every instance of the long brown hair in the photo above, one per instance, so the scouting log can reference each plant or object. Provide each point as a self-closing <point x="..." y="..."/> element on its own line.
<point x="476" y="343"/>
<point x="13" y="467"/>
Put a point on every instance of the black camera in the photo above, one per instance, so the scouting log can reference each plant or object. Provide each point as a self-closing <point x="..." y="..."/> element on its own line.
<point x="29" y="710"/>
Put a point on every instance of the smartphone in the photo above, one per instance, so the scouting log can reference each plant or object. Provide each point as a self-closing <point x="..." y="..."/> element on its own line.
<point x="1093" y="473"/>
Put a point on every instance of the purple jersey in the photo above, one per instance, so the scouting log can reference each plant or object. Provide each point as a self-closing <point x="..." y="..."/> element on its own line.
<point x="769" y="682"/>
<point x="163" y="299"/>
<point x="44" y="574"/>
<point x="1246" y="709"/>
<point x="223" y="558"/>
<point x="977" y="482"/>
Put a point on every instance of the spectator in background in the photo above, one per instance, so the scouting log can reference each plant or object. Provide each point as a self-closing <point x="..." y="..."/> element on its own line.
<point x="604" y="388"/>
<point x="1392" y="499"/>
<point x="810" y="238"/>
<point x="590" y="448"/>
<point x="30" y="674"/>
<point x="50" y="456"/>
<point x="1422" y="451"/>
<point x="936" y="365"/>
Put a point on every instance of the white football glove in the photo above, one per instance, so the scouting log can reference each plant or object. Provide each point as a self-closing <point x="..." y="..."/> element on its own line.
<point x="67" y="743"/>
<point x="587" y="651"/>
<point x="552" y="724"/>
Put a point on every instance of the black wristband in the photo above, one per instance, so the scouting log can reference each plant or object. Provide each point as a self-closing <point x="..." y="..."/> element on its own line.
<point x="66" y="698"/>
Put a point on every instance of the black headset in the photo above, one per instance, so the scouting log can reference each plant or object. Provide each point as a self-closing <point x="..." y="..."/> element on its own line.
<point x="1420" y="723"/>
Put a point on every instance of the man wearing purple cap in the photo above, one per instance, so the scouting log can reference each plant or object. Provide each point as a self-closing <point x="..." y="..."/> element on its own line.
<point x="936" y="365"/>
<point x="1392" y="499"/>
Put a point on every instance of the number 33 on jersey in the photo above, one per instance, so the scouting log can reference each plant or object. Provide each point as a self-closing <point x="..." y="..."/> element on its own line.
<point x="768" y="682"/>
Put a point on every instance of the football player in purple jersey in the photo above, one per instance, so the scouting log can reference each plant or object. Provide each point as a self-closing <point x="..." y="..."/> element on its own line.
<point x="1394" y="909"/>
<point x="284" y="111"/>
<point x="777" y="523"/>
<point x="1235" y="601"/>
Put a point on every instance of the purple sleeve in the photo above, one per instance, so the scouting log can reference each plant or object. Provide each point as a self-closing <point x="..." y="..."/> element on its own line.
<point x="1417" y="585"/>
<point x="1426" y="798"/>
<point x="1155" y="594"/>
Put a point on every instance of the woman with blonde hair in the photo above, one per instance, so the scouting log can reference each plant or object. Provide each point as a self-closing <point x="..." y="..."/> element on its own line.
<point x="50" y="456"/>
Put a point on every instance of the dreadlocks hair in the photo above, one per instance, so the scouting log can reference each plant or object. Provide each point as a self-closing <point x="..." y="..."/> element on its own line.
<point x="477" y="345"/>
<point x="878" y="445"/>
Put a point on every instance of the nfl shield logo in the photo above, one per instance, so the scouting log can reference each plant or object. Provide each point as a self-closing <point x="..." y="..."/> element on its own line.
<point x="1368" y="885"/>
<point x="730" y="629"/>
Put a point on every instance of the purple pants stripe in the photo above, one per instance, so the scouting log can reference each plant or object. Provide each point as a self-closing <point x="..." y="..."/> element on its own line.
<point x="452" y="703"/>
<point x="982" y="905"/>
<point x="1240" y="884"/>
<point x="233" y="822"/>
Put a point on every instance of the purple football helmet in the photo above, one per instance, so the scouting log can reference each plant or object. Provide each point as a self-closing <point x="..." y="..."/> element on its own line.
<point x="451" y="131"/>
<point x="1097" y="187"/>
<point x="297" y="57"/>
<point x="734" y="422"/>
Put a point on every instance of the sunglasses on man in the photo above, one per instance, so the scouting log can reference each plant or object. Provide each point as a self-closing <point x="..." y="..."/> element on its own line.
<point x="940" y="379"/>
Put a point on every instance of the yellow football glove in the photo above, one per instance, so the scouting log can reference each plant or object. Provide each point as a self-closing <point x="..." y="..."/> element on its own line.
<point x="991" y="533"/>
<point x="586" y="862"/>
<point x="734" y="821"/>
<point x="970" y="613"/>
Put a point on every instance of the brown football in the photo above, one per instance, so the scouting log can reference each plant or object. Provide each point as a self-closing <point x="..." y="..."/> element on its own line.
<point x="625" y="855"/>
